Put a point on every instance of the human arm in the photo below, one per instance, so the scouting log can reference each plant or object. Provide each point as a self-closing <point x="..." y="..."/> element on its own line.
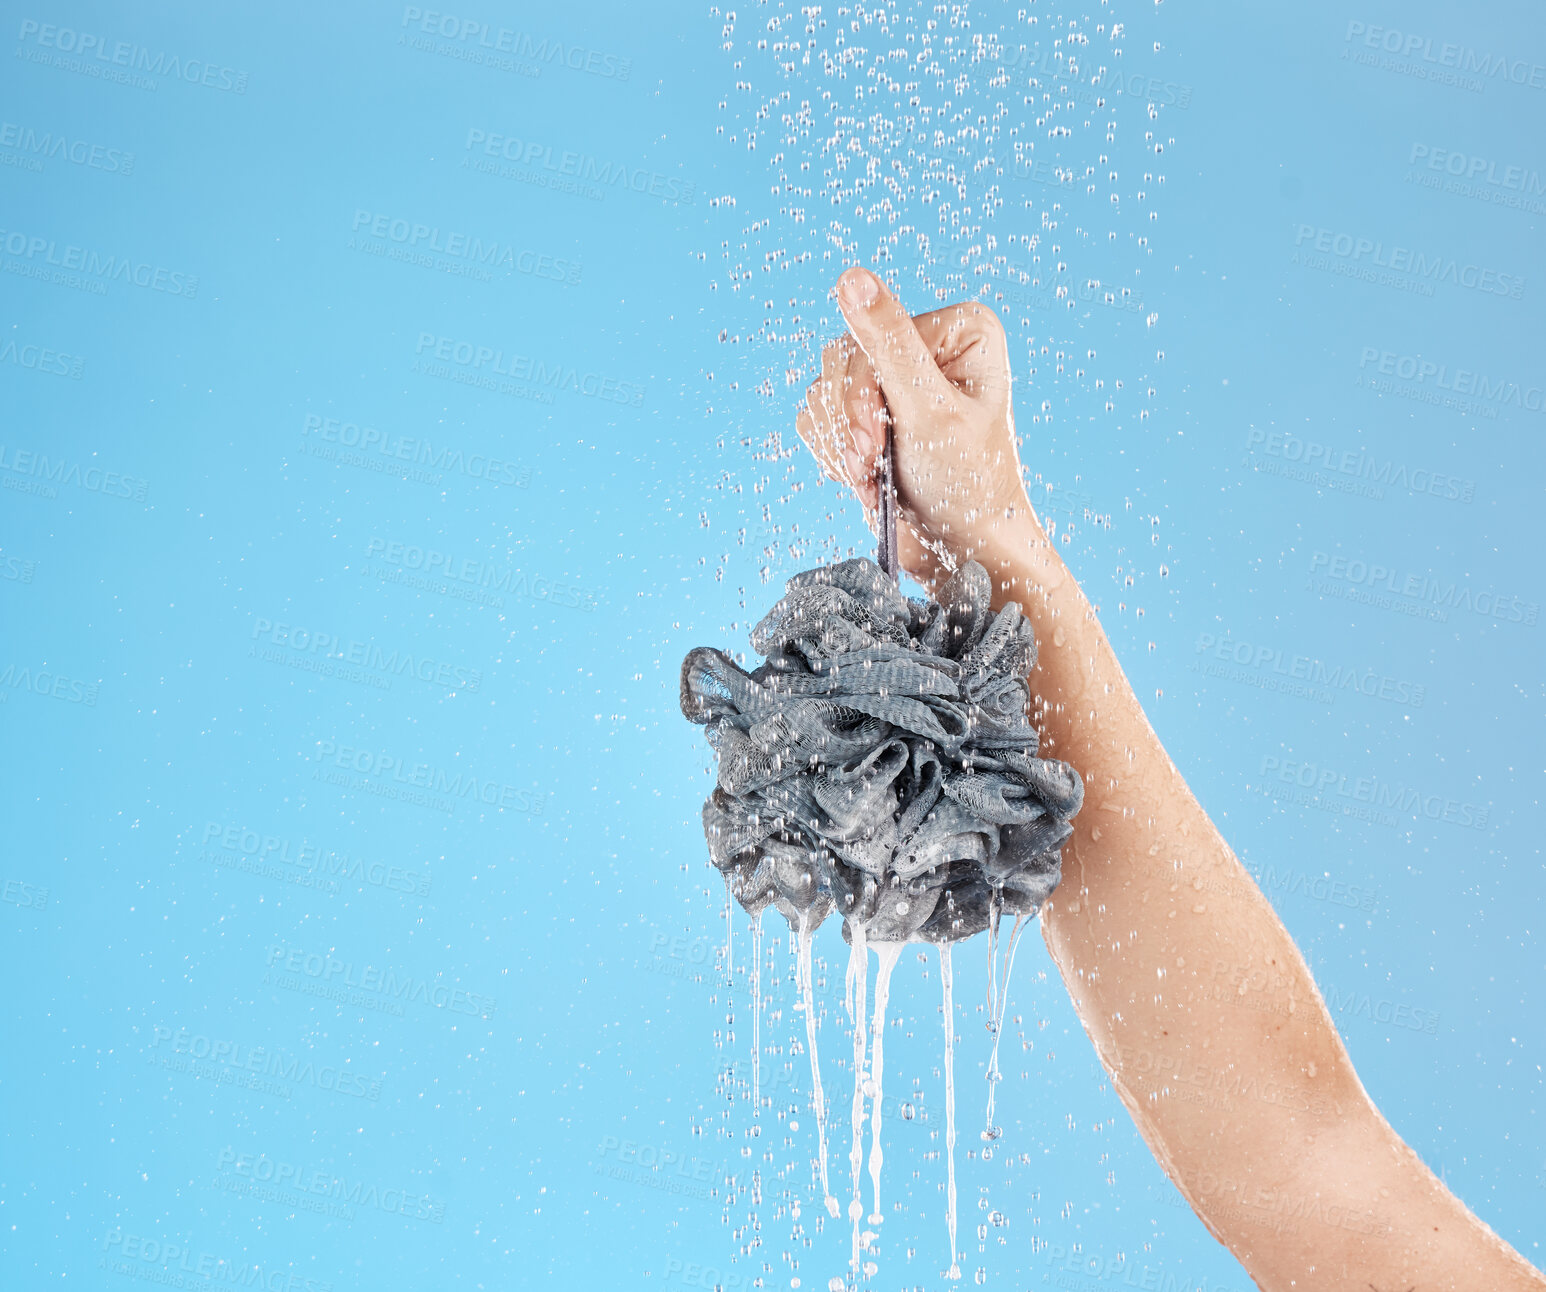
<point x="1197" y="1000"/>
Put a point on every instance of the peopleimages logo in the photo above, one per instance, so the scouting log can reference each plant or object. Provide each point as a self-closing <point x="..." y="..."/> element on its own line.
<point x="1101" y="82"/>
<point x="389" y="984"/>
<point x="275" y="851"/>
<point x="1375" y="793"/>
<point x="59" y="147"/>
<point x="261" y="1061"/>
<point x="16" y="570"/>
<point x="1359" y="464"/>
<point x="367" y="656"/>
<point x="659" y="1167"/>
<point x="482" y="37"/>
<point x="1354" y="1004"/>
<point x="461" y="784"/>
<point x="710" y="1277"/>
<point x="1365" y="255"/>
<point x="1467" y="383"/>
<point x="423" y="239"/>
<point x="583" y="168"/>
<point x="458" y="576"/>
<point x="39" y="256"/>
<point x="416" y="450"/>
<point x="554" y="375"/>
<point x="39" y="358"/>
<point x="1305" y="668"/>
<point x="1220" y="1087"/>
<point x="324" y="1184"/>
<point x="179" y="1264"/>
<point x="373" y="447"/>
<point x="18" y="892"/>
<point x="46" y="681"/>
<point x="32" y="472"/>
<point x="1076" y="1270"/>
<point x="1447" y="171"/>
<point x="1459" y="58"/>
<point x="1023" y="285"/>
<point x="1426" y="589"/>
<point x="1322" y="888"/>
<point x="1464" y="166"/>
<point x="125" y="54"/>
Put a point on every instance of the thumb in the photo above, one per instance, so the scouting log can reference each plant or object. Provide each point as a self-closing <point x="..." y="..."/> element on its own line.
<point x="909" y="378"/>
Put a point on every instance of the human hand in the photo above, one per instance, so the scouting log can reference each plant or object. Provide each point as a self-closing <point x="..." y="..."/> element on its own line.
<point x="942" y="381"/>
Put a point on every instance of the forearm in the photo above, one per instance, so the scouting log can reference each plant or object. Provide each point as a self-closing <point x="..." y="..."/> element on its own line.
<point x="1199" y="1003"/>
<point x="1196" y="998"/>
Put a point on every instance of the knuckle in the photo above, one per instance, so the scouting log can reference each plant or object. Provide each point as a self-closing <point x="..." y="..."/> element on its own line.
<point x="989" y="321"/>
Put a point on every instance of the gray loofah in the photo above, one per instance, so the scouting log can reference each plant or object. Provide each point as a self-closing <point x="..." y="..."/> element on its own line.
<point x="879" y="762"/>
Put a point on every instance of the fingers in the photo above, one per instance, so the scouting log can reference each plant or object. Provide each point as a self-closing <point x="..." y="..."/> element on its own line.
<point x="913" y="384"/>
<point x="827" y="450"/>
<point x="865" y="406"/>
<point x="970" y="349"/>
<point x="936" y="358"/>
<point x="830" y="387"/>
<point x="858" y="408"/>
<point x="827" y="425"/>
<point x="816" y="442"/>
<point x="816" y="423"/>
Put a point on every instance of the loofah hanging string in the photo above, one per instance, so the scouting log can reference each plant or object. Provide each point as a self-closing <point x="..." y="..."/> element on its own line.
<point x="886" y="555"/>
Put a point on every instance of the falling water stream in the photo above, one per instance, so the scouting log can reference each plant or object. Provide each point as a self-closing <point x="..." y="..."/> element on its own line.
<point x="998" y="1000"/>
<point x="869" y="1081"/>
<point x="757" y="1015"/>
<point x="729" y="931"/>
<point x="808" y="1001"/>
<point x="888" y="953"/>
<point x="857" y="998"/>
<point x="950" y="1104"/>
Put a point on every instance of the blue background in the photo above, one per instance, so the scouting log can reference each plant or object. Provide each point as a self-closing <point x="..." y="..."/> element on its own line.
<point x="205" y="828"/>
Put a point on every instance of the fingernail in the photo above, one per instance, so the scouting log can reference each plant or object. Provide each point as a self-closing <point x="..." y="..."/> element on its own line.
<point x="857" y="471"/>
<point x="864" y="439"/>
<point x="860" y="288"/>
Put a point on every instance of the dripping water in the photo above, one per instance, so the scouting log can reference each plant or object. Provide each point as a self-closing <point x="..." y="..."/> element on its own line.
<point x="996" y="1025"/>
<point x="858" y="1001"/>
<point x="950" y="1105"/>
<point x="757" y="1015"/>
<point x="729" y="929"/>
<point x="808" y="998"/>
<point x="888" y="953"/>
<point x="995" y="910"/>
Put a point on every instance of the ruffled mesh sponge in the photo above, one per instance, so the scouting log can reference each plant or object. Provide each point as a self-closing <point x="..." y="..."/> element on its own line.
<point x="879" y="762"/>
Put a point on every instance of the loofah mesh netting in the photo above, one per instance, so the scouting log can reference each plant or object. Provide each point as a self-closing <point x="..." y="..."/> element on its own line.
<point x="880" y="762"/>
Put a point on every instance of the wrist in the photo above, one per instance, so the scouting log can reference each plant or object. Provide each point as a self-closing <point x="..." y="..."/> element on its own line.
<point x="1018" y="554"/>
